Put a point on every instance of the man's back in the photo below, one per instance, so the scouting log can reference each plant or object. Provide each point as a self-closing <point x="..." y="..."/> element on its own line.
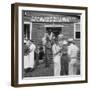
<point x="73" y="50"/>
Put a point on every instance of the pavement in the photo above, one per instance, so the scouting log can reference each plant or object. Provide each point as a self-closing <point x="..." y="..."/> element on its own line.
<point x="40" y="70"/>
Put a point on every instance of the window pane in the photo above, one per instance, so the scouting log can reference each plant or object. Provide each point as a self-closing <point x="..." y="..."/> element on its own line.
<point x="77" y="35"/>
<point x="26" y="31"/>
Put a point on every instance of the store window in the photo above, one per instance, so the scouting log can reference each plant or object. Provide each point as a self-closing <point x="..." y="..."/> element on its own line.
<point x="27" y="30"/>
<point x="77" y="31"/>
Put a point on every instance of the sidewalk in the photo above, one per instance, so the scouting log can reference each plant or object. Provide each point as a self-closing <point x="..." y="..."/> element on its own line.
<point x="41" y="70"/>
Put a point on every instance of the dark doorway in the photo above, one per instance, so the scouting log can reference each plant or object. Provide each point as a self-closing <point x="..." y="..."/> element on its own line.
<point x="55" y="30"/>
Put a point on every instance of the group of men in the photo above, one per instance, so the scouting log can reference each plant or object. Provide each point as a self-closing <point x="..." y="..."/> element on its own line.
<point x="64" y="54"/>
<point x="65" y="57"/>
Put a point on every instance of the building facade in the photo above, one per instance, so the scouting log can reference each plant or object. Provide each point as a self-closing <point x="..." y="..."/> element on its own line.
<point x="37" y="23"/>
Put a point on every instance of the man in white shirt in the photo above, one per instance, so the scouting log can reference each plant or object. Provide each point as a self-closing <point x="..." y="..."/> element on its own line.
<point x="56" y="49"/>
<point x="29" y="62"/>
<point x="72" y="53"/>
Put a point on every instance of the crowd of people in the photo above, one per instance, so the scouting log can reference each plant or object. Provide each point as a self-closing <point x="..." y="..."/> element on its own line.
<point x="64" y="54"/>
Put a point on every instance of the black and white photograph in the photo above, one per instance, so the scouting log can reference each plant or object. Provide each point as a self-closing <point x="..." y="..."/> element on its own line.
<point x="52" y="44"/>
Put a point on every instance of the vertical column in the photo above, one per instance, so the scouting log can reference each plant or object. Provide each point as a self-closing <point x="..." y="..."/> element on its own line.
<point x="30" y="30"/>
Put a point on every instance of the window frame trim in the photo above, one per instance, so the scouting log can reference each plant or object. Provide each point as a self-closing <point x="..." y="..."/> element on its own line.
<point x="30" y="24"/>
<point x="76" y="31"/>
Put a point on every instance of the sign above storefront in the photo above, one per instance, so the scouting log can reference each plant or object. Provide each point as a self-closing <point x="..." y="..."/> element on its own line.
<point x="53" y="19"/>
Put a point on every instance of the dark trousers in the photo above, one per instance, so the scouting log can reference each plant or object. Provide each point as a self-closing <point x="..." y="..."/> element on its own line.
<point x="64" y="64"/>
<point x="47" y="56"/>
<point x="36" y="55"/>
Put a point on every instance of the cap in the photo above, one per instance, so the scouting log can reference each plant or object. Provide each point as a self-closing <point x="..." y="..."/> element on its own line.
<point x="60" y="36"/>
<point x="65" y="42"/>
<point x="70" y="39"/>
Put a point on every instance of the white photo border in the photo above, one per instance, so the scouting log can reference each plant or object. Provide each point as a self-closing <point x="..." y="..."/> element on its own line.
<point x="34" y="80"/>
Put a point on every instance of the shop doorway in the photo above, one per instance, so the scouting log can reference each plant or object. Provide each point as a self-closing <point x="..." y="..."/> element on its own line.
<point x="56" y="30"/>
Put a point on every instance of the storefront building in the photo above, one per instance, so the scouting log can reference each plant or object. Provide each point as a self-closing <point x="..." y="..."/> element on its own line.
<point x="37" y="23"/>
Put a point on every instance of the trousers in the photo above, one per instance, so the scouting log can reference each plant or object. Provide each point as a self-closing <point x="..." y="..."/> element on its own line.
<point x="57" y="67"/>
<point x="73" y="67"/>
